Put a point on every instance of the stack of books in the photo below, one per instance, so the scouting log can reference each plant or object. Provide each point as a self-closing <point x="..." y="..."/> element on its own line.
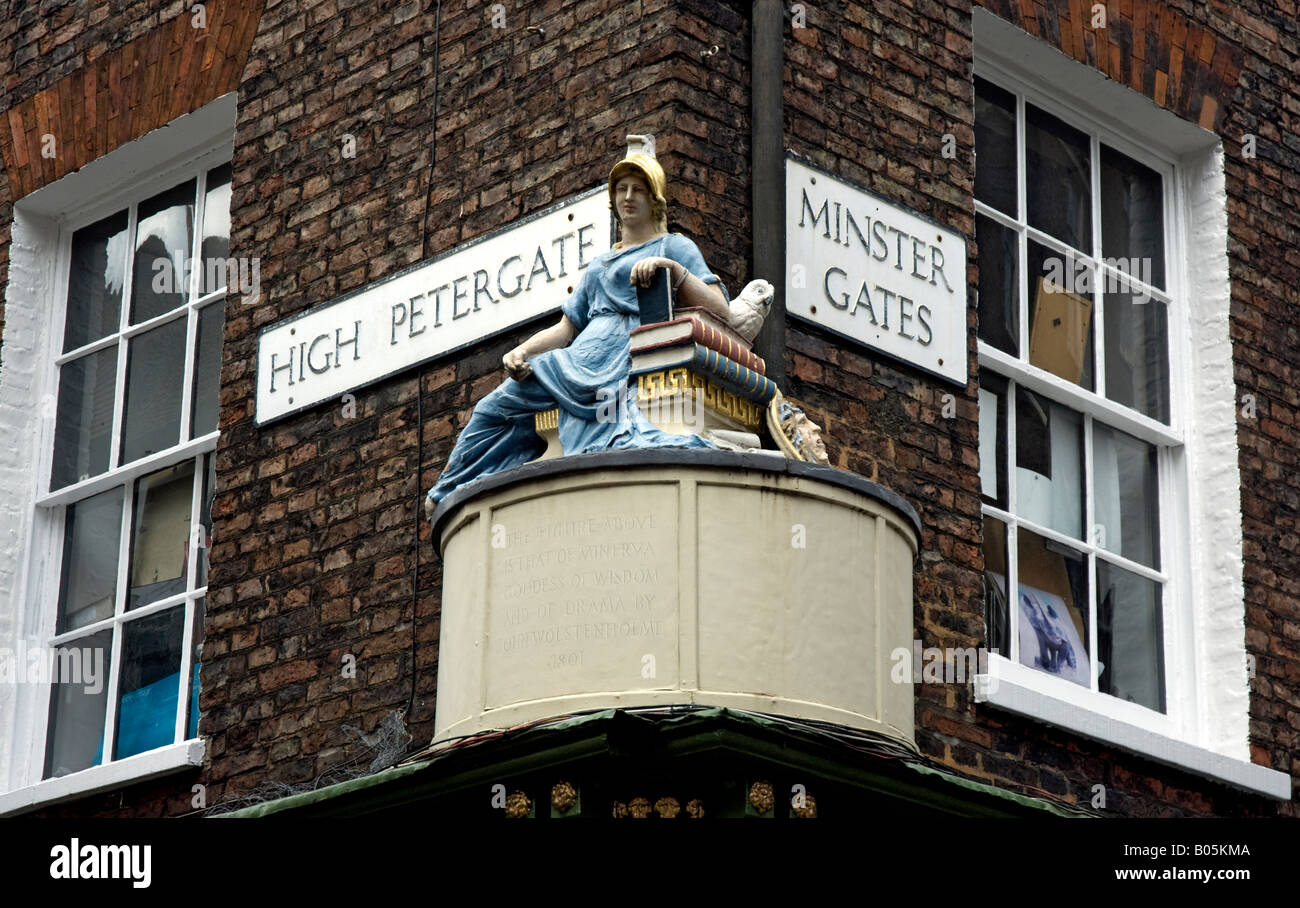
<point x="695" y="374"/>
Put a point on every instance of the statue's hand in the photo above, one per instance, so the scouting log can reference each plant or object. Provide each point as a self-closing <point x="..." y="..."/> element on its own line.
<point x="643" y="272"/>
<point x="516" y="365"/>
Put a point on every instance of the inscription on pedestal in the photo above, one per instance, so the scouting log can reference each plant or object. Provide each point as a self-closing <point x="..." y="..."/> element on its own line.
<point x="579" y="603"/>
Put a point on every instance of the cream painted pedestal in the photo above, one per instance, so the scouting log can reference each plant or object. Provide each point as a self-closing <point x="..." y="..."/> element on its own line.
<point x="657" y="577"/>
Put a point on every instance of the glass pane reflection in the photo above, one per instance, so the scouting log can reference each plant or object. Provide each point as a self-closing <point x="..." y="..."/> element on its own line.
<point x="162" y="251"/>
<point x="996" y="612"/>
<point x="1058" y="178"/>
<point x="207" y="369"/>
<point x="1130" y="637"/>
<point x="78" y="700"/>
<point x="1053" y="608"/>
<point x="92" y="532"/>
<point x="999" y="291"/>
<point x="216" y="228"/>
<point x="1132" y="216"/>
<point x="1049" y="464"/>
<point x="1137" y="352"/>
<point x="149" y="684"/>
<point x="192" y="710"/>
<point x="995" y="147"/>
<point x="161" y="540"/>
<point x="95" y="281"/>
<point x="155" y="379"/>
<point x="1126" y="503"/>
<point x="1060" y="314"/>
<point x="84" y="422"/>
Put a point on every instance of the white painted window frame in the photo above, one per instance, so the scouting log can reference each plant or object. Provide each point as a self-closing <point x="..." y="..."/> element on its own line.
<point x="130" y="196"/>
<point x="1094" y="405"/>
<point x="1206" y="725"/>
<point x="189" y="146"/>
<point x="126" y="476"/>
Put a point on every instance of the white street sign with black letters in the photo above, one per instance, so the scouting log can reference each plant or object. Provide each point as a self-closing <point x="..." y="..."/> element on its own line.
<point x="482" y="288"/>
<point x="875" y="273"/>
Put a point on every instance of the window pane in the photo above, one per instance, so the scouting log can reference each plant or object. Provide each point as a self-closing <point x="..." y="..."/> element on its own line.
<point x="995" y="586"/>
<point x="992" y="438"/>
<point x="207" y="369"/>
<point x="216" y="228"/>
<point x="92" y="535"/>
<point x="161" y="540"/>
<point x="95" y="281"/>
<point x="1058" y="179"/>
<point x="1053" y="613"/>
<point x="162" y="248"/>
<point x="1049" y="464"/>
<point x="1125" y="495"/>
<point x="75" y="740"/>
<point x="149" y="682"/>
<point x="1130" y="639"/>
<point x="84" y="425"/>
<point x="1132" y="216"/>
<point x="1137" y="353"/>
<point x="1060" y="314"/>
<point x="205" y="518"/>
<point x="155" y="378"/>
<point x="192" y="714"/>
<point x="999" y="296"/>
<point x="995" y="147"/>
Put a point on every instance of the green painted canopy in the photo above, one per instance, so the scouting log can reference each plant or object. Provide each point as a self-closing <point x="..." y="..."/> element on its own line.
<point x="715" y="753"/>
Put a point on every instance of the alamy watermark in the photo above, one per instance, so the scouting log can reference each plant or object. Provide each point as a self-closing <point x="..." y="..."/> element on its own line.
<point x="942" y="665"/>
<point x="75" y="861"/>
<point x="241" y="275"/>
<point x="53" y="665"/>
<point x="1071" y="275"/>
<point x="614" y="405"/>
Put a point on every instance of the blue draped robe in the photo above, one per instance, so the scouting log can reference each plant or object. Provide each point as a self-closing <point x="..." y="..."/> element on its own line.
<point x="584" y="380"/>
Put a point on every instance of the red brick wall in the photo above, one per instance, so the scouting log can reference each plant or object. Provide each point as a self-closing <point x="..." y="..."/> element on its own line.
<point x="1187" y="65"/>
<point x="870" y="92"/>
<point x="314" y="519"/>
<point x="94" y="79"/>
<point x="871" y="89"/>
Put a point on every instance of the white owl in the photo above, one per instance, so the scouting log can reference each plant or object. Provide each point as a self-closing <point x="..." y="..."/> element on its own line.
<point x="750" y="309"/>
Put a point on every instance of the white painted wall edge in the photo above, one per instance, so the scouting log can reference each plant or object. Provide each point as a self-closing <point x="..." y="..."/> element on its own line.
<point x="135" y="769"/>
<point x="1034" y="704"/>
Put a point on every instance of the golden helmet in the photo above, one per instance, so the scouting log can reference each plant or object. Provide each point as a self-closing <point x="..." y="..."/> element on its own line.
<point x="646" y="167"/>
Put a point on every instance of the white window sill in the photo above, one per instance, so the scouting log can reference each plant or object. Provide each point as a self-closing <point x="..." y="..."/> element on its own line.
<point x="1005" y="687"/>
<point x="135" y="769"/>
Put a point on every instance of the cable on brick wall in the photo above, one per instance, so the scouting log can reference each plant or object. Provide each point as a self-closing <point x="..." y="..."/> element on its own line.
<point x="419" y="382"/>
